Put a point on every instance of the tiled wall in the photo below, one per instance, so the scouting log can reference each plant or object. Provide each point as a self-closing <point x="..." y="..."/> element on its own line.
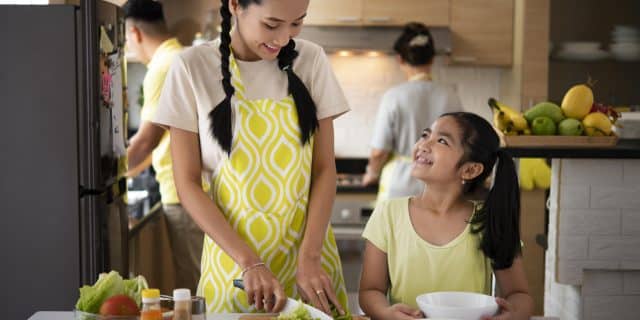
<point x="593" y="261"/>
<point x="365" y="78"/>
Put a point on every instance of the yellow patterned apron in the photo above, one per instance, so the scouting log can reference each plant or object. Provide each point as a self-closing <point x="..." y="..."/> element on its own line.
<point x="262" y="188"/>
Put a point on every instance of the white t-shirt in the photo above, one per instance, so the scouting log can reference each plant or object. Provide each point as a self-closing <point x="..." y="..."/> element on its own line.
<point x="405" y="111"/>
<point x="193" y="87"/>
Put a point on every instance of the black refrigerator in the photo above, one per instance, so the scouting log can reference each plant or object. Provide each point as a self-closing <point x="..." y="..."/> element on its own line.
<point x="62" y="154"/>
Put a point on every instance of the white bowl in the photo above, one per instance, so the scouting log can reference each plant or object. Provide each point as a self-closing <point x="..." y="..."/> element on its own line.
<point x="625" y="56"/>
<point x="625" y="29"/>
<point x="581" y="46"/>
<point x="457" y="305"/>
<point x="625" y="46"/>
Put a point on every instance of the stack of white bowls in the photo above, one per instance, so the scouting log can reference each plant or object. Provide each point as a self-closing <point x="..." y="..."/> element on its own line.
<point x="625" y="43"/>
<point x="581" y="51"/>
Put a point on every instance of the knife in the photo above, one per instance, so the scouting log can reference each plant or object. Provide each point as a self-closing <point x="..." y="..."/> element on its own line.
<point x="292" y="304"/>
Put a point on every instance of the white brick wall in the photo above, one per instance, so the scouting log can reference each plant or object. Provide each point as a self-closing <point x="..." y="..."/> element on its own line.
<point x="593" y="260"/>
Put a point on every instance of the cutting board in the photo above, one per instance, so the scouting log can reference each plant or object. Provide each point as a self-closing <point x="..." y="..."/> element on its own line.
<point x="560" y="141"/>
<point x="272" y="316"/>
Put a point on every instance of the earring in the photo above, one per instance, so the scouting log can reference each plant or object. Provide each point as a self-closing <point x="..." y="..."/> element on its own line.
<point x="464" y="182"/>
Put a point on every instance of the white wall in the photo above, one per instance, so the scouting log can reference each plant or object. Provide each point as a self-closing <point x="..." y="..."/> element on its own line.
<point x="364" y="79"/>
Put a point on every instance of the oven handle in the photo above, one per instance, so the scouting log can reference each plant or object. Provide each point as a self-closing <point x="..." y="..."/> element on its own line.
<point x="348" y="233"/>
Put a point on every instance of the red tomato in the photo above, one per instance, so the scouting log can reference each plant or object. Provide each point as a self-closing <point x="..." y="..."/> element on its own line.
<point x="119" y="305"/>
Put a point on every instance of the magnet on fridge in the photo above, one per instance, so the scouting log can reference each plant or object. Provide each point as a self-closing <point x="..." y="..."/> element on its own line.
<point x="105" y="82"/>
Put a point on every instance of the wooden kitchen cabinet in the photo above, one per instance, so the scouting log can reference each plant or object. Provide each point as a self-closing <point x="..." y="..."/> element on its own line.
<point x="433" y="13"/>
<point x="482" y="32"/>
<point x="334" y="13"/>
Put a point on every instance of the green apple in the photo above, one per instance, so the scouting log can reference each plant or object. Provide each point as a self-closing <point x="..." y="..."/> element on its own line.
<point x="570" y="127"/>
<point x="543" y="126"/>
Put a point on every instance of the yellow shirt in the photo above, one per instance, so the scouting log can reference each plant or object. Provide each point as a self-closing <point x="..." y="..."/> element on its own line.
<point x="152" y="87"/>
<point x="416" y="266"/>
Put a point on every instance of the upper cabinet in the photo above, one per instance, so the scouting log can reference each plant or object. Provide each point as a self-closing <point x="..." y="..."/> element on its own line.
<point x="482" y="32"/>
<point x="334" y="13"/>
<point x="377" y="12"/>
<point x="433" y="13"/>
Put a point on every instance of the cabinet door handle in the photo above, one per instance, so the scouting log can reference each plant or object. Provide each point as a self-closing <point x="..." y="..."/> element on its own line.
<point x="379" y="19"/>
<point x="463" y="59"/>
<point x="347" y="19"/>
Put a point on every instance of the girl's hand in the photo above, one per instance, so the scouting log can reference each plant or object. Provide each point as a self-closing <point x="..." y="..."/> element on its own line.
<point x="314" y="285"/>
<point x="263" y="289"/>
<point x="401" y="311"/>
<point x="506" y="310"/>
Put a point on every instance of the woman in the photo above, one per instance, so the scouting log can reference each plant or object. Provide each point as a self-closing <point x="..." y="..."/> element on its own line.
<point x="403" y="111"/>
<point x="254" y="110"/>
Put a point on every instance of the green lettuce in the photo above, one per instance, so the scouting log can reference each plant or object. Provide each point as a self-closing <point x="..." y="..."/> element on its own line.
<point x="108" y="285"/>
<point x="299" y="313"/>
<point x="133" y="288"/>
<point x="92" y="297"/>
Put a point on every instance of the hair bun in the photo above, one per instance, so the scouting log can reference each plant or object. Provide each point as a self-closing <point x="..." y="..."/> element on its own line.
<point x="419" y="40"/>
<point x="414" y="28"/>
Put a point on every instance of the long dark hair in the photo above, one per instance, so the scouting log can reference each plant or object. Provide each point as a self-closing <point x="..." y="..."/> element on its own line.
<point x="220" y="116"/>
<point x="415" y="45"/>
<point x="498" y="220"/>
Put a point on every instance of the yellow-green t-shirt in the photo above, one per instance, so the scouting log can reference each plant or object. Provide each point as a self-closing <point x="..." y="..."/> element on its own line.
<point x="416" y="266"/>
<point x="152" y="87"/>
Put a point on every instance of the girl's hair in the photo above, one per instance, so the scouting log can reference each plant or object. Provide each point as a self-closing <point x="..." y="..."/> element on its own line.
<point x="220" y="116"/>
<point x="415" y="45"/>
<point x="499" y="217"/>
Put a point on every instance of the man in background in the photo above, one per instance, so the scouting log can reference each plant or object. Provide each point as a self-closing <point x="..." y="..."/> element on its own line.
<point x="149" y="39"/>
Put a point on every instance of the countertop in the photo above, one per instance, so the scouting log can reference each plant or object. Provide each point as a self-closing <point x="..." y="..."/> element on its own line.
<point x="68" y="315"/>
<point x="625" y="149"/>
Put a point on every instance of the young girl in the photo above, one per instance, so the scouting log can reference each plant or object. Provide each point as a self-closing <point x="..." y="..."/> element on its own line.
<point x="254" y="111"/>
<point x="441" y="241"/>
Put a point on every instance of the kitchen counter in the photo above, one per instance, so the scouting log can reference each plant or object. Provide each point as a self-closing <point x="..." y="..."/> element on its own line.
<point x="68" y="315"/>
<point x="625" y="149"/>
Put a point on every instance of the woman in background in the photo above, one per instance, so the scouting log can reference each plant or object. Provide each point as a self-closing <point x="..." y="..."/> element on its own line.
<point x="403" y="111"/>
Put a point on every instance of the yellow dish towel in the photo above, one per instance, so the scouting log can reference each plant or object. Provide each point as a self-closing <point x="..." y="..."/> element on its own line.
<point x="534" y="173"/>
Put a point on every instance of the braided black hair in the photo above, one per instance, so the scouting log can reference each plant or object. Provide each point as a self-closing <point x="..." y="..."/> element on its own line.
<point x="499" y="217"/>
<point x="220" y="116"/>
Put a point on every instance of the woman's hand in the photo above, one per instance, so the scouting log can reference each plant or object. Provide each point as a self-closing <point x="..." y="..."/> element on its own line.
<point x="401" y="311"/>
<point x="263" y="289"/>
<point x="369" y="179"/>
<point x="315" y="286"/>
<point x="506" y="310"/>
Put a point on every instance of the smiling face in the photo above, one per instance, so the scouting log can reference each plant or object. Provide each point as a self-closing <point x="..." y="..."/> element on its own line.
<point x="263" y="29"/>
<point x="437" y="153"/>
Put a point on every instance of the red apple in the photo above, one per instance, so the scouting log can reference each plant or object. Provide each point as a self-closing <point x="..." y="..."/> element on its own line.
<point x="119" y="305"/>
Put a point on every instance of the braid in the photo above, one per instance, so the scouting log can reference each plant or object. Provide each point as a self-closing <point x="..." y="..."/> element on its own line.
<point x="220" y="116"/>
<point x="305" y="106"/>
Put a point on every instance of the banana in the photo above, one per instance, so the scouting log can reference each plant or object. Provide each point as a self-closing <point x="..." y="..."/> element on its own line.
<point x="516" y="118"/>
<point x="500" y="121"/>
